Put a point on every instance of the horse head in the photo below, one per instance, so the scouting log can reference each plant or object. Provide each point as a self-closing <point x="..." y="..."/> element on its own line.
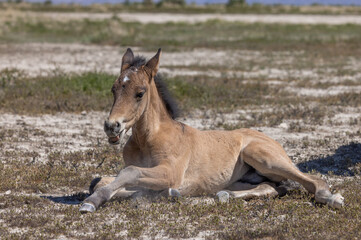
<point x="131" y="92"/>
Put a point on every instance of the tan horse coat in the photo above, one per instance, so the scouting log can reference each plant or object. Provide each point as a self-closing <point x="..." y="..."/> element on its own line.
<point x="163" y="154"/>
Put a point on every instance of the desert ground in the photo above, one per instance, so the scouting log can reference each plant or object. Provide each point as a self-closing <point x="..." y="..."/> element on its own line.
<point x="294" y="77"/>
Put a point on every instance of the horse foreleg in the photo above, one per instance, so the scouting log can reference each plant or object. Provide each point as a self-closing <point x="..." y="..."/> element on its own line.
<point x="103" y="181"/>
<point x="99" y="182"/>
<point x="157" y="178"/>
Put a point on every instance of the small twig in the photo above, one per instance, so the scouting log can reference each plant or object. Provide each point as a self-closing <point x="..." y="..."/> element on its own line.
<point x="101" y="163"/>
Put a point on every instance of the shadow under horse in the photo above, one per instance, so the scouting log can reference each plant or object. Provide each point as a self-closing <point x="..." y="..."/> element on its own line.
<point x="342" y="163"/>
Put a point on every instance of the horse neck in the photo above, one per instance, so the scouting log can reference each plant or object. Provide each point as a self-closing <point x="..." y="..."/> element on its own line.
<point x="154" y="115"/>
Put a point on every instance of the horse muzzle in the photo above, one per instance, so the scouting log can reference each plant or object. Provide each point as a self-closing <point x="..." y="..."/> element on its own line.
<point x="114" y="131"/>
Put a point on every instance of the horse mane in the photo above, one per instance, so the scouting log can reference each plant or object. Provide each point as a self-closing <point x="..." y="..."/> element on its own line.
<point x="167" y="98"/>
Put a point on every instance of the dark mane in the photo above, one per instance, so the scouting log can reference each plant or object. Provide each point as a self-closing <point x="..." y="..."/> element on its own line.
<point x="138" y="61"/>
<point x="169" y="102"/>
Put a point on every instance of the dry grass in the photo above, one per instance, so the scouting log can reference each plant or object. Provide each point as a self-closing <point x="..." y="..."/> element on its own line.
<point x="42" y="204"/>
<point x="318" y="39"/>
<point x="63" y="92"/>
<point x="90" y="91"/>
<point x="44" y="194"/>
<point x="275" y="218"/>
<point x="72" y="170"/>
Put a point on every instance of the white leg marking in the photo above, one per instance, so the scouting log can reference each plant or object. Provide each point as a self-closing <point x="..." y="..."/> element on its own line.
<point x="336" y="201"/>
<point x="87" y="207"/>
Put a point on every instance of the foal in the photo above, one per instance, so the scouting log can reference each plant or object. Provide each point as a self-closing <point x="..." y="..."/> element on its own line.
<point x="165" y="155"/>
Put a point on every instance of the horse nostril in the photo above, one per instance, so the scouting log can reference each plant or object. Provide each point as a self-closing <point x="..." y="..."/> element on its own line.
<point x="117" y="127"/>
<point x="113" y="127"/>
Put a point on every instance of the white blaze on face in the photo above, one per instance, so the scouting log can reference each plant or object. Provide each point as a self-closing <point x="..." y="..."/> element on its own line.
<point x="126" y="79"/>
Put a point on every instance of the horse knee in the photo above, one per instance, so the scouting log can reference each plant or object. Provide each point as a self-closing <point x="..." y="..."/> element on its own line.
<point x="99" y="182"/>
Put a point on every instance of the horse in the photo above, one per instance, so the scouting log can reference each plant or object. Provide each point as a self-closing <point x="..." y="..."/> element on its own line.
<point x="167" y="156"/>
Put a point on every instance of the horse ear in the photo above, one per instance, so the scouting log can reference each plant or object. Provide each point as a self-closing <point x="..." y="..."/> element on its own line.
<point x="127" y="59"/>
<point x="151" y="68"/>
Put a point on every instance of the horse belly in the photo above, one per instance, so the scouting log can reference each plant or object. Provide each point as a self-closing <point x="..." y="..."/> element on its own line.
<point x="215" y="166"/>
<point x="212" y="182"/>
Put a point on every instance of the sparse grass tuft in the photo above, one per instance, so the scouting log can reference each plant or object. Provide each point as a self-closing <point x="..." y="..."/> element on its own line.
<point x="90" y="91"/>
<point x="219" y="93"/>
<point x="334" y="40"/>
<point x="71" y="93"/>
<point x="72" y="170"/>
<point x="352" y="99"/>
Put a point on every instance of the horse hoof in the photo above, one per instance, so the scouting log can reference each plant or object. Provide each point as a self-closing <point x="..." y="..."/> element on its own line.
<point x="336" y="201"/>
<point x="174" y="193"/>
<point x="87" y="208"/>
<point x="223" y="196"/>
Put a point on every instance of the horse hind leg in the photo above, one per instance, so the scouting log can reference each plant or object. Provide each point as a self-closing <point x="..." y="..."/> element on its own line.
<point x="323" y="194"/>
<point x="270" y="160"/>
<point x="253" y="177"/>
<point x="247" y="191"/>
<point x="312" y="184"/>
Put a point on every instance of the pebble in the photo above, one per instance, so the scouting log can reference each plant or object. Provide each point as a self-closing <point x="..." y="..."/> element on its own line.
<point x="282" y="217"/>
<point x="283" y="125"/>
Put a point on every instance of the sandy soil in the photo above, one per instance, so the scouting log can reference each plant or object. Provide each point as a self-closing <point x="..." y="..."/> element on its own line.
<point x="60" y="132"/>
<point x="335" y="90"/>
<point x="45" y="59"/>
<point x="193" y="18"/>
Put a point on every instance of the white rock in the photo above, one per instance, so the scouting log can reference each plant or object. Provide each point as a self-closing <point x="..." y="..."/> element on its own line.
<point x="283" y="125"/>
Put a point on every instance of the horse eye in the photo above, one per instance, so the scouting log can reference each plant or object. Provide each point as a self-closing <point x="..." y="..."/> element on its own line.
<point x="139" y="95"/>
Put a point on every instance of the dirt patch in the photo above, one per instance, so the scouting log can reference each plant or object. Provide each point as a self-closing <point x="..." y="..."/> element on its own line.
<point x="39" y="59"/>
<point x="324" y="92"/>
<point x="195" y="18"/>
<point x="43" y="59"/>
<point x="46" y="59"/>
<point x="46" y="133"/>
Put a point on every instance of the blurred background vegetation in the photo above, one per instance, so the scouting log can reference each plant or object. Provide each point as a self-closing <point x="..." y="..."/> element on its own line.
<point x="181" y="6"/>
